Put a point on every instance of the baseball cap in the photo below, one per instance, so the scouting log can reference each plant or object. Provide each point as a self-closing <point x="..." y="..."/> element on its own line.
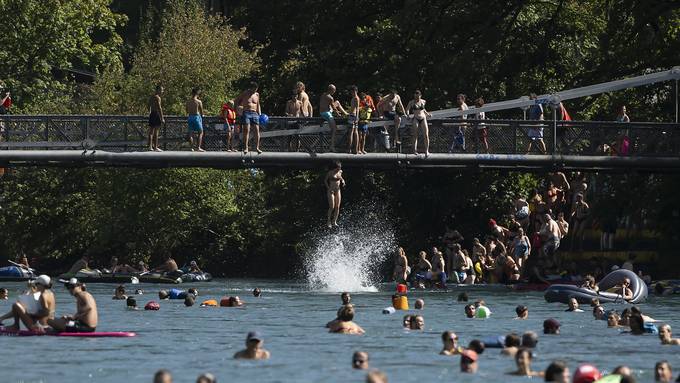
<point x="469" y="354"/>
<point x="586" y="373"/>
<point x="43" y="280"/>
<point x="71" y="282"/>
<point x="254" y="335"/>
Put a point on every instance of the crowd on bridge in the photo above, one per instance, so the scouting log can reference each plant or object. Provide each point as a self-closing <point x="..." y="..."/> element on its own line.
<point x="243" y="115"/>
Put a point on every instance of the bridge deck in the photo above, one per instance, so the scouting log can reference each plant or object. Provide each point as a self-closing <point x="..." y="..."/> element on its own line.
<point x="304" y="143"/>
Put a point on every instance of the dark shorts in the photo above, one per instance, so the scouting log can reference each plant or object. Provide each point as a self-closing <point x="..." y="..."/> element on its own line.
<point x="390" y="115"/>
<point x="154" y="119"/>
<point x="250" y="118"/>
<point x="78" y="326"/>
<point x="363" y="127"/>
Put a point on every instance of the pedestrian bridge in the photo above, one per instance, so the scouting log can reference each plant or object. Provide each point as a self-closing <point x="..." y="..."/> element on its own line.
<point x="120" y="141"/>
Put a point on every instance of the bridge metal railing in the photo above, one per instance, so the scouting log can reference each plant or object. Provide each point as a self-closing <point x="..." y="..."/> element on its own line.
<point x="282" y="134"/>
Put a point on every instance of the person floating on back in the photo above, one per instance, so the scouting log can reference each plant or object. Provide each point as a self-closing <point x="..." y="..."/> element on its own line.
<point x="194" y="109"/>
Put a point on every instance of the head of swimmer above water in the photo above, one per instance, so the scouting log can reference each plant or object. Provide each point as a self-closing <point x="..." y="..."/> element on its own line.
<point x="346" y="298"/>
<point x="573" y="304"/>
<point x="418" y="322"/>
<point x="470" y="311"/>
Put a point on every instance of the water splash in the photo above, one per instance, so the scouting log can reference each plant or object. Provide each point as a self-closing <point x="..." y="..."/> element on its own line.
<point x="350" y="258"/>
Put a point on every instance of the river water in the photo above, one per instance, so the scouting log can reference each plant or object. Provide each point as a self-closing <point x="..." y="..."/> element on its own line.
<point x="291" y="316"/>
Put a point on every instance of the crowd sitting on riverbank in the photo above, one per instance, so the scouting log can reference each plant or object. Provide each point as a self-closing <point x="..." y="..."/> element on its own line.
<point x="522" y="246"/>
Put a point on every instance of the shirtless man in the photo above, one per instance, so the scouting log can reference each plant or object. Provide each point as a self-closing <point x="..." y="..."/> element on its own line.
<point x="35" y="318"/>
<point x="401" y="269"/>
<point x="353" y="120"/>
<point x="390" y="106"/>
<point x="344" y="325"/>
<point x="306" y="107"/>
<point x="254" y="348"/>
<point x="156" y="119"/>
<point x="563" y="225"/>
<point x="294" y="106"/>
<point x="423" y="270"/>
<point x="561" y="183"/>
<point x="168" y="266"/>
<point x="327" y="106"/>
<point x="550" y="232"/>
<point x="85" y="319"/>
<point x="194" y="109"/>
<point x="624" y="290"/>
<point x="249" y="103"/>
<point x="666" y="336"/>
<point x="450" y="341"/>
<point x="439" y="268"/>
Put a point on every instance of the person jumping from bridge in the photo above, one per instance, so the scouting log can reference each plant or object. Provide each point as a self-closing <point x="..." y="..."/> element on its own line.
<point x="156" y="119"/>
<point x="194" y="109"/>
<point x="417" y="105"/>
<point x="249" y="100"/>
<point x="334" y="182"/>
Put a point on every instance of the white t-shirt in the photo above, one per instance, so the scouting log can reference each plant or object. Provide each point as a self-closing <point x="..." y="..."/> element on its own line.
<point x="30" y="302"/>
<point x="464" y="107"/>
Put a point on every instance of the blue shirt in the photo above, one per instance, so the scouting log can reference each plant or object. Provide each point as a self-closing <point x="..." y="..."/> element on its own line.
<point x="535" y="112"/>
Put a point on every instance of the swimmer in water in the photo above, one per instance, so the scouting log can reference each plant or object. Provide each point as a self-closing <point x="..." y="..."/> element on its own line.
<point x="551" y="326"/>
<point x="334" y="182"/>
<point x="257" y="292"/>
<point x="4" y="294"/>
<point x="420" y="304"/>
<point x="470" y="311"/>
<point x="558" y="372"/>
<point x="477" y="346"/>
<point x="163" y="295"/>
<point x="613" y="320"/>
<point x="522" y="312"/>
<point x="131" y="304"/>
<point x="573" y="306"/>
<point x="346" y="298"/>
<point x="406" y="321"/>
<point x="450" y="341"/>
<point x="523" y="359"/>
<point x="598" y="313"/>
<point x="345" y="325"/>
<point x="119" y="293"/>
<point x="360" y="360"/>
<point x="666" y="336"/>
<point x="162" y="376"/>
<point x="376" y="376"/>
<point x="511" y="346"/>
<point x="468" y="362"/>
<point x="254" y="348"/>
<point x="206" y="378"/>
<point x="529" y="339"/>
<point x="235" y="302"/>
<point x="189" y="300"/>
<point x="663" y="372"/>
<point x="417" y="322"/>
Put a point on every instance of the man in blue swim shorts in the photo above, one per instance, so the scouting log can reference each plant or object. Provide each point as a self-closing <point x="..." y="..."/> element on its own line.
<point x="326" y="107"/>
<point x="194" y="109"/>
<point x="249" y="101"/>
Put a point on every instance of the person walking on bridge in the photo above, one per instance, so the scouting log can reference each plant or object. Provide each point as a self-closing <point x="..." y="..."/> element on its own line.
<point x="249" y="103"/>
<point x="156" y="119"/>
<point x="194" y="109"/>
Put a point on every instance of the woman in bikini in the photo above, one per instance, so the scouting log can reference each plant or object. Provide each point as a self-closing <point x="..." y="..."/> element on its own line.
<point x="417" y="106"/>
<point x="334" y="182"/>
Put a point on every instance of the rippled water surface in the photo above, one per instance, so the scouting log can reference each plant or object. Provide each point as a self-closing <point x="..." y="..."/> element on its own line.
<point x="189" y="341"/>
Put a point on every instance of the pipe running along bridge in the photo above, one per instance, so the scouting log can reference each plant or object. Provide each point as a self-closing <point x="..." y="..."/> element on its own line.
<point x="120" y="141"/>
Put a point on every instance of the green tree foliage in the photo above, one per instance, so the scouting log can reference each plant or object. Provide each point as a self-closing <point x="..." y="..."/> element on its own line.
<point x="44" y="40"/>
<point x="494" y="49"/>
<point x="189" y="49"/>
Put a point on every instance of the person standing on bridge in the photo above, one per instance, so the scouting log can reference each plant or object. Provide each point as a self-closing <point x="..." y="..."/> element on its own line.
<point x="353" y="120"/>
<point x="334" y="182"/>
<point x="194" y="109"/>
<point x="249" y="100"/>
<point x="156" y="119"/>
<point x="327" y="105"/>
<point x="417" y="105"/>
<point x="536" y="131"/>
<point x="390" y="106"/>
<point x="303" y="97"/>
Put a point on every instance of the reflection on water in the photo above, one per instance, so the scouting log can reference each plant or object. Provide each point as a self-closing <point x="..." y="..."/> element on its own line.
<point x="350" y="258"/>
